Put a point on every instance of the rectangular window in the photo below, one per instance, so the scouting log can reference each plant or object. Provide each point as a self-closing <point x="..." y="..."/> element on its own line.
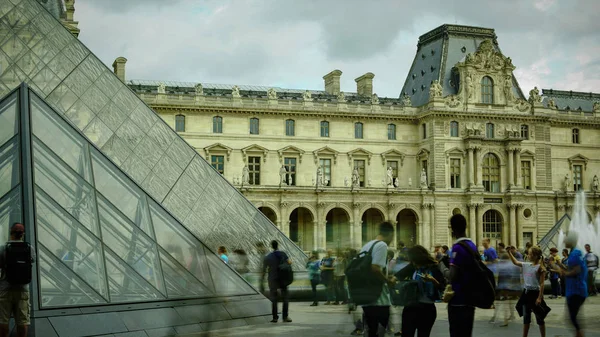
<point x="394" y="165"/>
<point x="358" y="130"/>
<point x="290" y="127"/>
<point x="254" y="170"/>
<point x="527" y="237"/>
<point x="577" y="177"/>
<point x="525" y="132"/>
<point x="254" y="126"/>
<point x="575" y="136"/>
<point x="324" y="129"/>
<point x="217" y="124"/>
<point x="290" y="167"/>
<point x="218" y="162"/>
<point x="360" y="165"/>
<point x="453" y="129"/>
<point x="454" y="173"/>
<point x="326" y="165"/>
<point x="489" y="130"/>
<point x="180" y="123"/>
<point x="526" y="174"/>
<point x="391" y="131"/>
<point x="424" y="128"/>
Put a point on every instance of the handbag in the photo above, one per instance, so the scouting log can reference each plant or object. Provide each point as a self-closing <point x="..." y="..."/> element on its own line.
<point x="407" y="293"/>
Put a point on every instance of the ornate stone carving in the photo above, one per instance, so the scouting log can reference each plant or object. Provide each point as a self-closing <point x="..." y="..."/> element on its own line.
<point x="199" y="89"/>
<point x="283" y="204"/>
<point x="341" y="97"/>
<point x="534" y="96"/>
<point x="469" y="86"/>
<point x="245" y="175"/>
<point x="374" y="99"/>
<point x="596" y="107"/>
<point x="488" y="58"/>
<point x="320" y="204"/>
<point x="307" y="96"/>
<point x="522" y="105"/>
<point x="423" y="178"/>
<point x="406" y="100"/>
<point x="595" y="183"/>
<point x="162" y="88"/>
<point x="566" y="183"/>
<point x="452" y="101"/>
<point x="507" y="87"/>
<point x="271" y="94"/>
<point x="235" y="92"/>
<point x="551" y="104"/>
<point x="283" y="176"/>
<point x="435" y="90"/>
<point x="355" y="178"/>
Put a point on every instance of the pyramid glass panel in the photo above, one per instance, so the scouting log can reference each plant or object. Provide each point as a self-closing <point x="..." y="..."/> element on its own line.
<point x="9" y="166"/>
<point x="60" y="286"/>
<point x="8" y="119"/>
<point x="180" y="283"/>
<point x="10" y="211"/>
<point x="125" y="284"/>
<point x="69" y="241"/>
<point x="226" y="281"/>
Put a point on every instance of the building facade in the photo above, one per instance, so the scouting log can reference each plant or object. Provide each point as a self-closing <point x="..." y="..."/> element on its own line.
<point x="327" y="166"/>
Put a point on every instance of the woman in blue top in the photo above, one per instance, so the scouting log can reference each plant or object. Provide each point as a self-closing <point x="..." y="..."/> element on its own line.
<point x="421" y="316"/>
<point x="314" y="275"/>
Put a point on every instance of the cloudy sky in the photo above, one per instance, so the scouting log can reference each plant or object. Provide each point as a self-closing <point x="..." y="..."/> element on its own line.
<point x="292" y="44"/>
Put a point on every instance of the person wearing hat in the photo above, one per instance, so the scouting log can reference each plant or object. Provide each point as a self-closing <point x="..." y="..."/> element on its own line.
<point x="14" y="299"/>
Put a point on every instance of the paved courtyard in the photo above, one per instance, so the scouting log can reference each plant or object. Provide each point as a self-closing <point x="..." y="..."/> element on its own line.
<point x="335" y="321"/>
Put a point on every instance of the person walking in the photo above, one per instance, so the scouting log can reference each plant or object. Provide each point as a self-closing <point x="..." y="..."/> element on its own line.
<point x="420" y="317"/>
<point x="314" y="275"/>
<point x="460" y="314"/>
<point x="563" y="265"/>
<point x="16" y="258"/>
<point x="554" y="261"/>
<point x="576" y="280"/>
<point x="271" y="264"/>
<point x="509" y="286"/>
<point x="532" y="298"/>
<point x="339" y="277"/>
<point x="377" y="314"/>
<point x="222" y="252"/>
<point x="592" y="265"/>
<point x="327" y="276"/>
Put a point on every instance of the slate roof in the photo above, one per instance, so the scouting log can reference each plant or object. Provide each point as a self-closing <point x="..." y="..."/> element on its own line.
<point x="55" y="7"/>
<point x="437" y="52"/>
<point x="571" y="100"/>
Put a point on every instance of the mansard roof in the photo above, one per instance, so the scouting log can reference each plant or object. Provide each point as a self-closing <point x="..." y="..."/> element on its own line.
<point x="438" y="51"/>
<point x="571" y="100"/>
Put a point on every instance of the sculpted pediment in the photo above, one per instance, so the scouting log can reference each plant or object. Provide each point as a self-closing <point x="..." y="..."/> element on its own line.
<point x="488" y="58"/>
<point x="325" y="151"/>
<point x="217" y="148"/>
<point x="578" y="159"/>
<point x="527" y="154"/>
<point x="422" y="154"/>
<point x="256" y="150"/>
<point x="393" y="154"/>
<point x="290" y="150"/>
<point x="360" y="152"/>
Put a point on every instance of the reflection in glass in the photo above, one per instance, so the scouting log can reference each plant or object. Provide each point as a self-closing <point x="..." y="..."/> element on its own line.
<point x="226" y="281"/>
<point x="55" y="133"/>
<point x="59" y="286"/>
<point x="179" y="282"/>
<point x="130" y="243"/>
<point x="9" y="166"/>
<point x="10" y="212"/>
<point x="66" y="187"/>
<point x="68" y="241"/>
<point x="125" y="284"/>
<point x="8" y="119"/>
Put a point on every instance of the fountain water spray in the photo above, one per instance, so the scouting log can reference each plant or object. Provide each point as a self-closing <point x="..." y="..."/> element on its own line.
<point x="581" y="223"/>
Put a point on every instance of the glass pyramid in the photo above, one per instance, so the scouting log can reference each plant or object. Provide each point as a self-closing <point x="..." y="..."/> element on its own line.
<point x="100" y="239"/>
<point x="37" y="49"/>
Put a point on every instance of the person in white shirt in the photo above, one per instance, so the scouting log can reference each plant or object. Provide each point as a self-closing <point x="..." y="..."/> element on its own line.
<point x="378" y="313"/>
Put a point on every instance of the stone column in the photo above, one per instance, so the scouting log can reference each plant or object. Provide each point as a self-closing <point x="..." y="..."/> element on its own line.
<point x="426" y="224"/>
<point x="472" y="222"/>
<point x="357" y="243"/>
<point x="477" y="165"/>
<point x="512" y="210"/>
<point x="315" y="235"/>
<point x="431" y="227"/>
<point x="519" y="228"/>
<point x="419" y="238"/>
<point x="286" y="227"/>
<point x="471" y="168"/>
<point x="479" y="224"/>
<point x="510" y="169"/>
<point x="322" y="236"/>
<point x="518" y="168"/>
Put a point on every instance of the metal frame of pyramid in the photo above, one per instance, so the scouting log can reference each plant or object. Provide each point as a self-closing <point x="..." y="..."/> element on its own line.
<point x="551" y="238"/>
<point x="103" y="245"/>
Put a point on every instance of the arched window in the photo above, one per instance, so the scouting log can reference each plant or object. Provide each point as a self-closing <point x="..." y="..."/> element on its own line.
<point x="180" y="123"/>
<point x="290" y="127"/>
<point x="525" y="131"/>
<point x="391" y="131"/>
<point x="254" y="126"/>
<point x="358" y="130"/>
<point x="489" y="130"/>
<point x="491" y="173"/>
<point x="575" y="136"/>
<point x="492" y="225"/>
<point x="487" y="90"/>
<point x="217" y="124"/>
<point x="454" y="129"/>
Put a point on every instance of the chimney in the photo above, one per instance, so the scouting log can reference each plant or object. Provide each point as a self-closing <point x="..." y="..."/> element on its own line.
<point x="119" y="67"/>
<point x="332" y="82"/>
<point x="364" y="85"/>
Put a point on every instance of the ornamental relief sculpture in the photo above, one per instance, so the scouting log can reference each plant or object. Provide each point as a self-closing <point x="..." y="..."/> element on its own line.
<point x="452" y="101"/>
<point x="522" y="105"/>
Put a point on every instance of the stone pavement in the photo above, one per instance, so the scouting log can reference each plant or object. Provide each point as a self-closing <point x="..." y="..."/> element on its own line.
<point x="324" y="321"/>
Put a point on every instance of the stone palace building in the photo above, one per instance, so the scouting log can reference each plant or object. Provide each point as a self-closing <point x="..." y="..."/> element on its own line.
<point x="327" y="166"/>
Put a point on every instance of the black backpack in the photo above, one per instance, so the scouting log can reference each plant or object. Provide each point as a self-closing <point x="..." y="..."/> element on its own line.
<point x="363" y="286"/>
<point x="285" y="274"/>
<point x="18" y="261"/>
<point x="481" y="285"/>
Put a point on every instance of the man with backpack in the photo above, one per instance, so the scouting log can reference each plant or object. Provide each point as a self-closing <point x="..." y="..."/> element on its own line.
<point x="16" y="258"/>
<point x="280" y="276"/>
<point x="367" y="280"/>
<point x="472" y="282"/>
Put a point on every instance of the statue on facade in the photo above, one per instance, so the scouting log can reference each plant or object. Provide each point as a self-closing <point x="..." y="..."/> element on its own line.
<point x="596" y="107"/>
<point x="423" y="178"/>
<point x="406" y="100"/>
<point x="341" y="97"/>
<point x="470" y="87"/>
<point x="245" y="175"/>
<point x="409" y="182"/>
<point x="508" y="94"/>
<point x="396" y="182"/>
<point x="390" y="177"/>
<point x="235" y="91"/>
<point x="346" y="181"/>
<point x="282" y="175"/>
<point x="307" y="96"/>
<point x="374" y="99"/>
<point x="320" y="176"/>
<point x="566" y="182"/>
<point x="551" y="104"/>
<point x="199" y="89"/>
<point x="162" y="88"/>
<point x="595" y="183"/>
<point x="355" y="178"/>
<point x="271" y="94"/>
<point x="534" y="96"/>
<point x="436" y="89"/>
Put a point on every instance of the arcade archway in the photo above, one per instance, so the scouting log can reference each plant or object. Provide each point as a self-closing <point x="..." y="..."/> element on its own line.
<point x="406" y="228"/>
<point x="337" y="229"/>
<point x="302" y="228"/>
